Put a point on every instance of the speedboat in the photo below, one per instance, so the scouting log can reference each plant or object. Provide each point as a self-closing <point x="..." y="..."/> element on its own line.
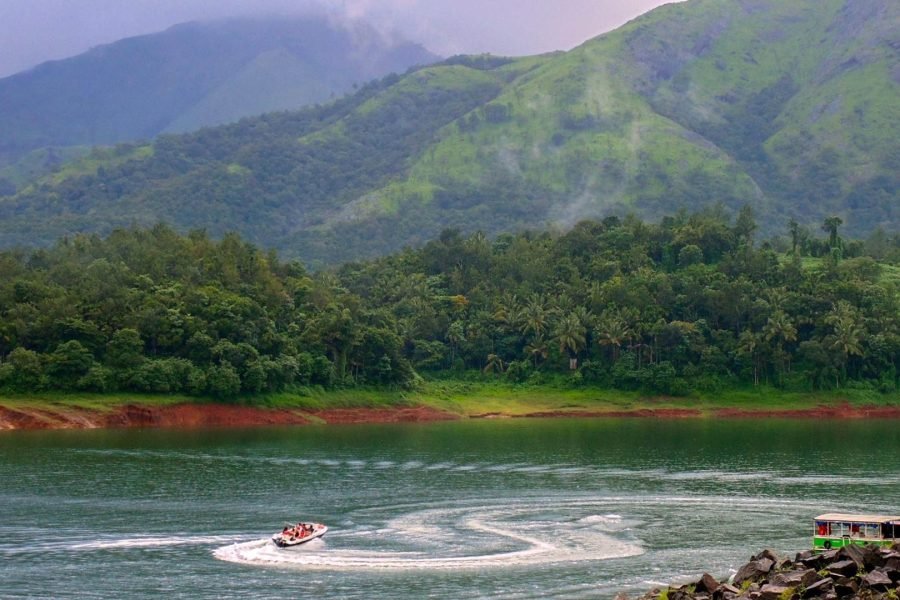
<point x="294" y="535"/>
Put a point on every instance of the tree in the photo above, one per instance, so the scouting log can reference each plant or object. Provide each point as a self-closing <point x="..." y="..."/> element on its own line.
<point x="778" y="331"/>
<point x="831" y="226"/>
<point x="570" y="335"/>
<point x="22" y="371"/>
<point x="494" y="364"/>
<point x="847" y="334"/>
<point x="537" y="349"/>
<point x="68" y="363"/>
<point x="612" y="331"/>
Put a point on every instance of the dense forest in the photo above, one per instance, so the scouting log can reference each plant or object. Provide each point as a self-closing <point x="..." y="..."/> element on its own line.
<point x="691" y="303"/>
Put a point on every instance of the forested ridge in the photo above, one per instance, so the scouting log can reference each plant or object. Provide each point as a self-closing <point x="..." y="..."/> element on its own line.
<point x="689" y="304"/>
<point x="790" y="107"/>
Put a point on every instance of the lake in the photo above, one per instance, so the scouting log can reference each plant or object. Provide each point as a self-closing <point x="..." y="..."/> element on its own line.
<point x="497" y="508"/>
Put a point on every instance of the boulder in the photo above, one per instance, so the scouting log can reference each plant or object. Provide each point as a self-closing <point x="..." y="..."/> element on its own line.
<point x="845" y="587"/>
<point x="725" y="592"/>
<point x="754" y="570"/>
<point x="708" y="584"/>
<point x="843" y="568"/>
<point x="877" y="580"/>
<point x="796" y="578"/>
<point x="767" y="554"/>
<point x="854" y="553"/>
<point x="819" y="588"/>
<point x="774" y="592"/>
<point x="784" y="564"/>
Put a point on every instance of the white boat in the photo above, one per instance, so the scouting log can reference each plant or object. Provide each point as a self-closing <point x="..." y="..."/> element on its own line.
<point x="294" y="535"/>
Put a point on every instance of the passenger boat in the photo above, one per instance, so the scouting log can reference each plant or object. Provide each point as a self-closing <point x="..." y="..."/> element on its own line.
<point x="836" y="530"/>
<point x="294" y="535"/>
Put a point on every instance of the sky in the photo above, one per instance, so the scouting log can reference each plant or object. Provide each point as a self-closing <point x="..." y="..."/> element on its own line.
<point x="34" y="31"/>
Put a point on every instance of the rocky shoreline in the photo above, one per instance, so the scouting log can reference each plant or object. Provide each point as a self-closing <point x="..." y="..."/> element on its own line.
<point x="848" y="573"/>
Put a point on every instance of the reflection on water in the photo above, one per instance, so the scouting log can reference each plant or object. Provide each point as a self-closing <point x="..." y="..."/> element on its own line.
<point x="510" y="509"/>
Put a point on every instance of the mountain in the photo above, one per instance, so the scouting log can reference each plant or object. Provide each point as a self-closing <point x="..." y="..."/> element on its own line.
<point x="192" y="75"/>
<point x="792" y="108"/>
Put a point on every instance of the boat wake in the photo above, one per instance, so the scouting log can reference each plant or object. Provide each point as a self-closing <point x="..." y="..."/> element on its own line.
<point x="453" y="538"/>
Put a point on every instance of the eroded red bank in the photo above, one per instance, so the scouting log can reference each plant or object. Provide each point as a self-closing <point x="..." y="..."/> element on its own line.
<point x="203" y="415"/>
<point x="226" y="415"/>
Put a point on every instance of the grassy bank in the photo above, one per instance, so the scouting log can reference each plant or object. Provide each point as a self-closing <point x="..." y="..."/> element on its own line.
<point x="471" y="398"/>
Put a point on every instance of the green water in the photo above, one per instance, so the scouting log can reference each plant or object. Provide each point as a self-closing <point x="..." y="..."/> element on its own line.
<point x="502" y="509"/>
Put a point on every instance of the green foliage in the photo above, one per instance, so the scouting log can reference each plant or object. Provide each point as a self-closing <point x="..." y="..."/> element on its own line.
<point x="691" y="106"/>
<point x="606" y="304"/>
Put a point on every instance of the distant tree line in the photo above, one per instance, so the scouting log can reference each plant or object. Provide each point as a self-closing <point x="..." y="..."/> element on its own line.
<point x="690" y="303"/>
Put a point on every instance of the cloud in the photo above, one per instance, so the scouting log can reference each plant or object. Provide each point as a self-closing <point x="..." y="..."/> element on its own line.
<point x="33" y="31"/>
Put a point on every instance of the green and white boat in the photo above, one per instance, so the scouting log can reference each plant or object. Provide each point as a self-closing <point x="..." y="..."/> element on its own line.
<point x="836" y="530"/>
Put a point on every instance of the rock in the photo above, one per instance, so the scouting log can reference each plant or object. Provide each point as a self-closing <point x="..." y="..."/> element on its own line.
<point x="774" y="592"/>
<point x="894" y="574"/>
<point x="753" y="570"/>
<point x="767" y="554"/>
<point x="818" y="588"/>
<point x="726" y="590"/>
<point x="877" y="580"/>
<point x="708" y="584"/>
<point x="846" y="587"/>
<point x="796" y="578"/>
<point x="813" y="560"/>
<point x="843" y="568"/>
<point x="854" y="553"/>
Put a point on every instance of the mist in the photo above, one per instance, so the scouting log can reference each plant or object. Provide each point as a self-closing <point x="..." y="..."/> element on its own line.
<point x="34" y="31"/>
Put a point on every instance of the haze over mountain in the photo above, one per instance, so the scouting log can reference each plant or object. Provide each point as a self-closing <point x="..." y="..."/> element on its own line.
<point x="790" y="107"/>
<point x="193" y="75"/>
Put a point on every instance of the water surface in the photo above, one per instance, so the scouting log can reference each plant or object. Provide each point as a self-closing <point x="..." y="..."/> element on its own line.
<point x="506" y="509"/>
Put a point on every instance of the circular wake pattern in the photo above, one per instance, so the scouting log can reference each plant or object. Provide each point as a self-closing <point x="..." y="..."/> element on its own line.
<point x="455" y="537"/>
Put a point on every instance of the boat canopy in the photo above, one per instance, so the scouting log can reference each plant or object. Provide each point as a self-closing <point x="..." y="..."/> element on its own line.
<point x="851" y="518"/>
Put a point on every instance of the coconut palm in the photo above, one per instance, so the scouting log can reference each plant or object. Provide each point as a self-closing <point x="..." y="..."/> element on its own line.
<point x="494" y="364"/>
<point x="612" y="331"/>
<point x="570" y="335"/>
<point x="847" y="335"/>
<point x="537" y="349"/>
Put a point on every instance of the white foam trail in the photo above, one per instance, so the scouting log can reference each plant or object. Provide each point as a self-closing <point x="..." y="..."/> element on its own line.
<point x="452" y="538"/>
<point x="150" y="542"/>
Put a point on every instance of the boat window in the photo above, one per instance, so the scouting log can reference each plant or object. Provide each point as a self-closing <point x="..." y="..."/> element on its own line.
<point x="839" y="529"/>
<point x="872" y="531"/>
<point x="821" y="528"/>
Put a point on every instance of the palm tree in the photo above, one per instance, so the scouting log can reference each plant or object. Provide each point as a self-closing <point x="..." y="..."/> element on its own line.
<point x="831" y="225"/>
<point x="570" y="334"/>
<point x="612" y="331"/>
<point x="533" y="316"/>
<point x="456" y="335"/>
<point x="749" y="345"/>
<point x="494" y="364"/>
<point x="537" y="349"/>
<point x="847" y="335"/>
<point x="779" y="330"/>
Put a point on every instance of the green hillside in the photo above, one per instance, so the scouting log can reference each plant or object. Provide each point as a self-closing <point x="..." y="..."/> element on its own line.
<point x="789" y="107"/>
<point x="192" y="75"/>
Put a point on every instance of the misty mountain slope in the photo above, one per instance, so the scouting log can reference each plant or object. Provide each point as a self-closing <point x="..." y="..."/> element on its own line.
<point x="805" y="95"/>
<point x="789" y="107"/>
<point x="189" y="76"/>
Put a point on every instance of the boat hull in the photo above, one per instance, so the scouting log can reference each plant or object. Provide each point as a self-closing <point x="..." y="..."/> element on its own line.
<point x="283" y="540"/>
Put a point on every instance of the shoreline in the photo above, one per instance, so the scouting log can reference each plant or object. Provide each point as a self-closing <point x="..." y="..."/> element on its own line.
<point x="194" y="415"/>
